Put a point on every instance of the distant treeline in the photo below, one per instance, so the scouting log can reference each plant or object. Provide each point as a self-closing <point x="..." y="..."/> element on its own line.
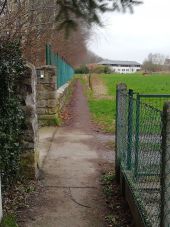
<point x="92" y="68"/>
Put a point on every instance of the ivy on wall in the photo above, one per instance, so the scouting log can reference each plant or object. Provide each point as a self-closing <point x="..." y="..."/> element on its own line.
<point x="12" y="69"/>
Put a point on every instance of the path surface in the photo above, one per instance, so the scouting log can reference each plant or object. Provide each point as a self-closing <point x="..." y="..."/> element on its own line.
<point x="76" y="157"/>
<point x="99" y="88"/>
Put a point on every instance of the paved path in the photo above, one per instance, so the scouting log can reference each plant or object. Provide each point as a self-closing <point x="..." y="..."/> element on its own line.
<point x="76" y="156"/>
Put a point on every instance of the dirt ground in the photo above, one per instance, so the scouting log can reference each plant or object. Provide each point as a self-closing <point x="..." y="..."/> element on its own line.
<point x="70" y="189"/>
<point x="99" y="88"/>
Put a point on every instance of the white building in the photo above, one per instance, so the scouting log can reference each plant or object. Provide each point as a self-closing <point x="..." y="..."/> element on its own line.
<point x="122" y="66"/>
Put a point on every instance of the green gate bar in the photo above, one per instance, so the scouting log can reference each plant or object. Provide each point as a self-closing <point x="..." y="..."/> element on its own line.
<point x="130" y="130"/>
<point x="137" y="136"/>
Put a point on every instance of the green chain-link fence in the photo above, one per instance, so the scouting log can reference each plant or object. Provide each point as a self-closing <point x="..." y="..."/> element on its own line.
<point x="139" y="150"/>
<point x="64" y="71"/>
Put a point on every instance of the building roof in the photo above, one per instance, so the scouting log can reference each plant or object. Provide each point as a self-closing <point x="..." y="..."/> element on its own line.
<point x="110" y="62"/>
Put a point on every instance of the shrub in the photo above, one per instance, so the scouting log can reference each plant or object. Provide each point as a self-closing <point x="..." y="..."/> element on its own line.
<point x="101" y="69"/>
<point x="83" y="69"/>
<point x="11" y="115"/>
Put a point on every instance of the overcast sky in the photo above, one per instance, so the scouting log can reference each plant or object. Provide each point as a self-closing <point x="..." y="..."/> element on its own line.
<point x="134" y="36"/>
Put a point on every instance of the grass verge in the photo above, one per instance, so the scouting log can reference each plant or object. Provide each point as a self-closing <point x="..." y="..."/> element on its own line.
<point x="16" y="199"/>
<point x="101" y="109"/>
<point x="9" y="221"/>
<point x="102" y="113"/>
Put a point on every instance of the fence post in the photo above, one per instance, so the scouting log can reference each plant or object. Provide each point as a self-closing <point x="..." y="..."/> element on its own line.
<point x="137" y="136"/>
<point x="47" y="55"/>
<point x="1" y="213"/>
<point x="120" y="111"/>
<point x="130" y="129"/>
<point x="165" y="167"/>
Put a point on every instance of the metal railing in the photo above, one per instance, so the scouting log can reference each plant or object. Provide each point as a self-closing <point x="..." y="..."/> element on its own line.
<point x="64" y="71"/>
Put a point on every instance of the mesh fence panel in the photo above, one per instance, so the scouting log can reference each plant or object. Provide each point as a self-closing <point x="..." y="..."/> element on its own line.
<point x="64" y="71"/>
<point x="156" y="101"/>
<point x="139" y="128"/>
<point x="147" y="164"/>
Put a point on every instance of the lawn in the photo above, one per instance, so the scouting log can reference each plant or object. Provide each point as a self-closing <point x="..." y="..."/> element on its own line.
<point x="143" y="84"/>
<point x="102" y="113"/>
<point x="103" y="108"/>
<point x="149" y="84"/>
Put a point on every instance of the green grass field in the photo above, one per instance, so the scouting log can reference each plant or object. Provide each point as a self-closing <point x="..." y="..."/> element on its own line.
<point x="103" y="109"/>
<point x="149" y="84"/>
<point x="103" y="113"/>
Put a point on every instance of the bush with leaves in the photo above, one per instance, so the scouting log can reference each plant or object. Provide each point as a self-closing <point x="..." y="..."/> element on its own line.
<point x="83" y="69"/>
<point x="101" y="69"/>
<point x="11" y="115"/>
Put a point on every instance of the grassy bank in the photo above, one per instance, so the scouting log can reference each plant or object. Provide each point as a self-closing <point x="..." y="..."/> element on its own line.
<point x="101" y="106"/>
<point x="102" y="113"/>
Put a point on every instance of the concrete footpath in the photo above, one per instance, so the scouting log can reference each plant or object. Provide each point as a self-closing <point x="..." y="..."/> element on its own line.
<point x="73" y="158"/>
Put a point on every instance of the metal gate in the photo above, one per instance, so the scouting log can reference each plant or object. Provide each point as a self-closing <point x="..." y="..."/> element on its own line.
<point x="139" y="156"/>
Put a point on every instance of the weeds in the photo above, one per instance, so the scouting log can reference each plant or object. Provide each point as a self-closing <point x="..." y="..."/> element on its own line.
<point x="119" y="213"/>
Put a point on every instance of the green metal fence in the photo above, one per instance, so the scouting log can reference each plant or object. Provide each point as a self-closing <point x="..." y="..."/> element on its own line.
<point x="139" y="150"/>
<point x="64" y="71"/>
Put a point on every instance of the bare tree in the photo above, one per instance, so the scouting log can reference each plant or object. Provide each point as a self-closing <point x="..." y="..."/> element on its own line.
<point x="154" y="63"/>
<point x="37" y="22"/>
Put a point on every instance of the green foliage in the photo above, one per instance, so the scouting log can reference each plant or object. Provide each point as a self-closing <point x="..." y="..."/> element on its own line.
<point x="54" y="122"/>
<point x="11" y="114"/>
<point x="107" y="181"/>
<point x="101" y="109"/>
<point x="102" y="113"/>
<point x="148" y="84"/>
<point x="89" y="11"/>
<point x="111" y="219"/>
<point x="108" y="178"/>
<point x="9" y="221"/>
<point x="83" y="69"/>
<point x="101" y="69"/>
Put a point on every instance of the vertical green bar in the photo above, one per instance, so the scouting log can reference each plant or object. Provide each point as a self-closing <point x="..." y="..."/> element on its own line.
<point x="137" y="136"/>
<point x="130" y="130"/>
<point x="47" y="54"/>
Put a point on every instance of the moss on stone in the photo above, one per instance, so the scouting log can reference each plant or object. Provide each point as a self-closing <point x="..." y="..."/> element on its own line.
<point x="28" y="165"/>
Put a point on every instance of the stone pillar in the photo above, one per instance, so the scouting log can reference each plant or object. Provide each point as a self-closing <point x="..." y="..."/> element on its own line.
<point x="27" y="92"/>
<point x="46" y="95"/>
<point x="165" y="165"/>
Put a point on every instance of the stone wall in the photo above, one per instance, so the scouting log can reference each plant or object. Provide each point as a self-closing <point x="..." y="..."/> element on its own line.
<point x="41" y="102"/>
<point x="46" y="95"/>
<point x="50" y="101"/>
<point x="27" y="92"/>
<point x="62" y="95"/>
